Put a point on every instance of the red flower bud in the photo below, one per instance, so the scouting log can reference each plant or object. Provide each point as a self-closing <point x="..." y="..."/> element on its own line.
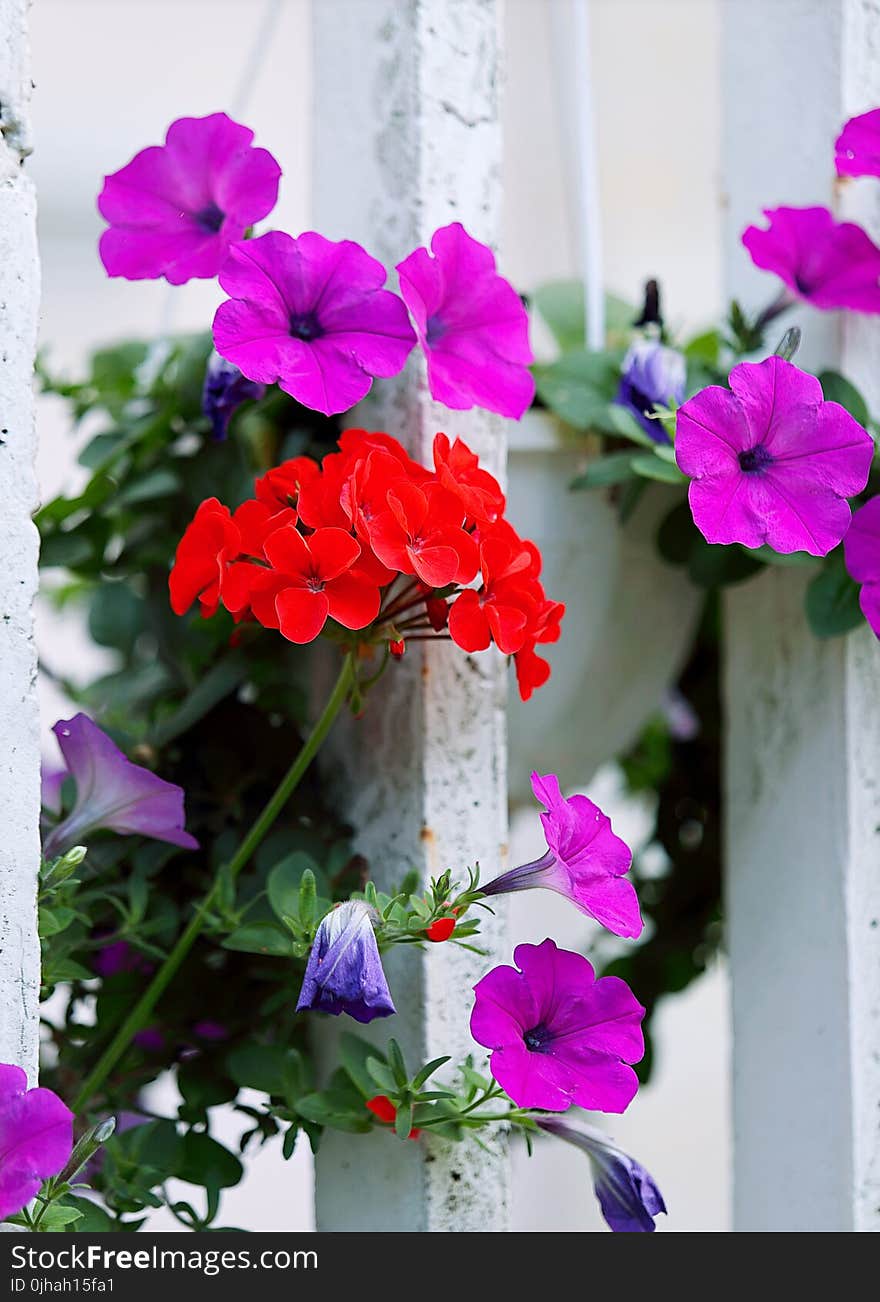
<point x="397" y="648"/>
<point x="440" y="930"/>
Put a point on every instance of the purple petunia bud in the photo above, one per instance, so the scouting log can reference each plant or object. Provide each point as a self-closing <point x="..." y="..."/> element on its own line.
<point x="344" y="972"/>
<point x="224" y="391"/>
<point x="652" y="376"/>
<point x="627" y="1194"/>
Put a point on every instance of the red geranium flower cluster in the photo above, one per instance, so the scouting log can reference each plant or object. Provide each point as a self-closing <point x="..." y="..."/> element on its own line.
<point x="376" y="542"/>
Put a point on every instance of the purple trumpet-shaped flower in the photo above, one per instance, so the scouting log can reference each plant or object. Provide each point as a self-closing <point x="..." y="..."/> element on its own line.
<point x="861" y="549"/>
<point x="627" y="1193"/>
<point x="585" y="861"/>
<point x="471" y="324"/>
<point x="36" y="1138"/>
<point x="311" y="315"/>
<point x="558" y="1036"/>
<point x="652" y="376"/>
<point x="857" y="148"/>
<point x="344" y="972"/>
<point x="113" y="793"/>
<point x="224" y="391"/>
<point x="176" y="209"/>
<point x="770" y="461"/>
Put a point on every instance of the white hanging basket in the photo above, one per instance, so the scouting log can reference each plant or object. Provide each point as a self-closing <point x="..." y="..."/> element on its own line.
<point x="629" y="616"/>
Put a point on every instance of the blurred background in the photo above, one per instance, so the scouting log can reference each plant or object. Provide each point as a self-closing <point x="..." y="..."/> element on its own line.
<point x="654" y="66"/>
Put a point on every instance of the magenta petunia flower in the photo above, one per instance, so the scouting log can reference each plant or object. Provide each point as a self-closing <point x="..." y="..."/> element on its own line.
<point x="827" y="263"/>
<point x="36" y="1139"/>
<point x="861" y="549"/>
<point x="585" y="861"/>
<point x="176" y="208"/>
<point x="311" y="316"/>
<point x="558" y="1036"/>
<point x="857" y="148"/>
<point x="471" y="323"/>
<point x="770" y="461"/>
<point x="113" y="793"/>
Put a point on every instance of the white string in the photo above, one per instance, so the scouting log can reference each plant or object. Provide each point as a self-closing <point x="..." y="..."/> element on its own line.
<point x="241" y="98"/>
<point x="588" y="170"/>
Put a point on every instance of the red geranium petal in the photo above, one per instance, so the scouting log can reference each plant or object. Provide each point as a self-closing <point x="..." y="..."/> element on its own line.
<point x="353" y="601"/>
<point x="436" y="566"/>
<point x="468" y="626"/>
<point x="301" y="613"/>
<point x="287" y="551"/>
<point x="333" y="552"/>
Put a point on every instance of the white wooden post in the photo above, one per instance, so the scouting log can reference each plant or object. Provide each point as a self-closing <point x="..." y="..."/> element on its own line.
<point x="407" y="138"/>
<point x="19" y="720"/>
<point x="803" y="742"/>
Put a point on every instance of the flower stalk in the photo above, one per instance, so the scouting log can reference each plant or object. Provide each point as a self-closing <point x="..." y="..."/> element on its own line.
<point x="137" y="1018"/>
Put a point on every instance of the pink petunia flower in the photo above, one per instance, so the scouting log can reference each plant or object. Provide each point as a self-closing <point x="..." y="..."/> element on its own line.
<point x="585" y="861"/>
<point x="176" y="208"/>
<point x="770" y="461"/>
<point x="857" y="148"/>
<point x="558" y="1036"/>
<point x="827" y="263"/>
<point x="471" y="324"/>
<point x="36" y="1138"/>
<point x="311" y="315"/>
<point x="861" y="549"/>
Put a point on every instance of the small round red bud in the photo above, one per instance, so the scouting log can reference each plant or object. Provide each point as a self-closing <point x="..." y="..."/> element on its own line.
<point x="442" y="929"/>
<point x="397" y="647"/>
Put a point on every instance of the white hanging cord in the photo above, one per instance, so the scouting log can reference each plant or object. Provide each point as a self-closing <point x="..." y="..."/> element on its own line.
<point x="241" y="98"/>
<point x="253" y="67"/>
<point x="588" y="175"/>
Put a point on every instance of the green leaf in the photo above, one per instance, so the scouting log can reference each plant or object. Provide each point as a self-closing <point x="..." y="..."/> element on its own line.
<point x="93" y="1219"/>
<point x="837" y="388"/>
<point x="428" y="1070"/>
<point x="397" y="1064"/>
<point x="116" y="616"/>
<point x="579" y="387"/>
<point x="770" y="557"/>
<point x="159" y="483"/>
<point x="58" y="1216"/>
<point x="705" y="348"/>
<point x="561" y="305"/>
<point x="269" y="1068"/>
<point x="202" y="1087"/>
<point x="354" y="1054"/>
<point x="285" y="881"/>
<point x="713" y="565"/>
<point x="615" y="468"/>
<point x="623" y="422"/>
<point x="65" y="550"/>
<point x="205" y="1162"/>
<point x="656" y="467"/>
<point x="403" y="1122"/>
<point x="382" y="1075"/>
<point x="325" y="1110"/>
<point x="260" y="938"/>
<point x="832" y="600"/>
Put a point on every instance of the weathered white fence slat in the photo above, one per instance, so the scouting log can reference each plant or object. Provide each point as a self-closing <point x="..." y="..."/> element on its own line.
<point x="407" y="138"/>
<point x="803" y="739"/>
<point x="19" y="721"/>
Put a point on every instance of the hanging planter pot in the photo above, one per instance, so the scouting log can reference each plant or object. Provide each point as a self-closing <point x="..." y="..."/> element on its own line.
<point x="629" y="616"/>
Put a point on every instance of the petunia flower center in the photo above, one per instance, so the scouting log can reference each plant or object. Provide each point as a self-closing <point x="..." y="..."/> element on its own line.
<point x="538" y="1039"/>
<point x="305" y="326"/>
<point x="211" y="218"/>
<point x="434" y="330"/>
<point x="755" y="459"/>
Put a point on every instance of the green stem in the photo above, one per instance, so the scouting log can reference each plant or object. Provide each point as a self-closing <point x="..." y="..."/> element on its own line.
<point x="166" y="973"/>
